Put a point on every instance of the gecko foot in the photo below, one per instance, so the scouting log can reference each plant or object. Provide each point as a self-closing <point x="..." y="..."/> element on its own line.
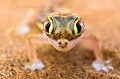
<point x="35" y="65"/>
<point x="102" y="65"/>
<point x="23" y="29"/>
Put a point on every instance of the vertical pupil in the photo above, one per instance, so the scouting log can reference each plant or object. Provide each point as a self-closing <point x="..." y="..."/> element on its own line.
<point x="47" y="27"/>
<point x="78" y="27"/>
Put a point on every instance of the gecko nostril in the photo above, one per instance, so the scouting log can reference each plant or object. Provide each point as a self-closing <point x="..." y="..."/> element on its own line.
<point x="63" y="42"/>
<point x="59" y="42"/>
<point x="66" y="43"/>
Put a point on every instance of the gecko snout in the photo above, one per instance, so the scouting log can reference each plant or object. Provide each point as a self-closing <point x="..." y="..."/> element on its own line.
<point x="63" y="43"/>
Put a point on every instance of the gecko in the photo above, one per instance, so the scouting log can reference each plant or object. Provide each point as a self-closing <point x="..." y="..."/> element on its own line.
<point x="63" y="31"/>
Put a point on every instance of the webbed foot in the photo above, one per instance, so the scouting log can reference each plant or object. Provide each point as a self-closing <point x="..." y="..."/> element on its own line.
<point x="35" y="65"/>
<point x="102" y="65"/>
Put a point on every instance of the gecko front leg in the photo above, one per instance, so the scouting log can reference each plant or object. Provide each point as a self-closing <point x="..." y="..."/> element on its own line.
<point x="34" y="62"/>
<point x="99" y="64"/>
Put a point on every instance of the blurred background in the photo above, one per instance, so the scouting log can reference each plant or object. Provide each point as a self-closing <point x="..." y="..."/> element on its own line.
<point x="101" y="17"/>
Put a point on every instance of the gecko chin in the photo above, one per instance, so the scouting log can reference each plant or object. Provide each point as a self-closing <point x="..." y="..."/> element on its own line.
<point x="63" y="45"/>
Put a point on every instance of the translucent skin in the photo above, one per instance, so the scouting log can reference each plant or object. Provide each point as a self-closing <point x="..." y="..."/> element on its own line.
<point x="70" y="44"/>
<point x="63" y="38"/>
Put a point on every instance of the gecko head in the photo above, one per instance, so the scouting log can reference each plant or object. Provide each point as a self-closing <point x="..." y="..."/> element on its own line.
<point x="63" y="30"/>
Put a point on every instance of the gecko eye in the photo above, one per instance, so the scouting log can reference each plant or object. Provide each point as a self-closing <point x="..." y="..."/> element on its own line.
<point x="78" y="27"/>
<point x="48" y="26"/>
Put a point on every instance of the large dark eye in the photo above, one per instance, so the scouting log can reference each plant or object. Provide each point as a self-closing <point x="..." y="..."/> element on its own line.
<point x="78" y="26"/>
<point x="48" y="26"/>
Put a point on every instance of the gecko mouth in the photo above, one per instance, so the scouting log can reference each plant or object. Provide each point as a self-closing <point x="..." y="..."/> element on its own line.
<point x="62" y="45"/>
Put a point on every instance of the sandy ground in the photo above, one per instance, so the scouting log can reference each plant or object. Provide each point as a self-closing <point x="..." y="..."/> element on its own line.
<point x="102" y="18"/>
